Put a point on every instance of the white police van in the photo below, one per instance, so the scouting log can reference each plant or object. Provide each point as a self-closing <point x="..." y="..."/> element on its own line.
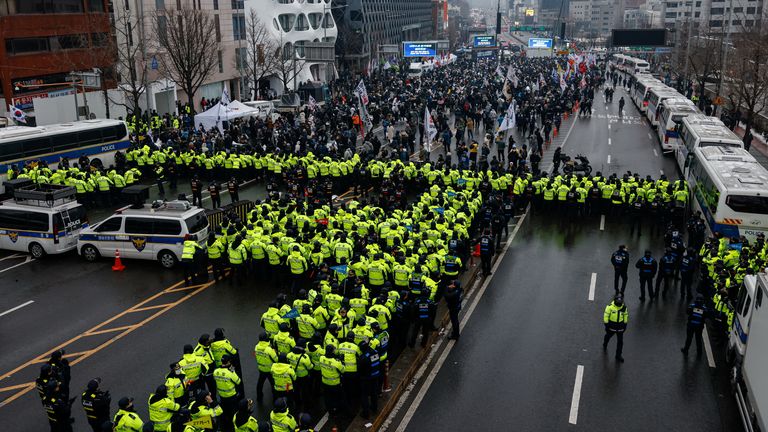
<point x="40" y="219"/>
<point x="145" y="231"/>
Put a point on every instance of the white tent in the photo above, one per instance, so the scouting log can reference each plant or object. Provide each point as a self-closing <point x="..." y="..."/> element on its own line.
<point x="220" y="113"/>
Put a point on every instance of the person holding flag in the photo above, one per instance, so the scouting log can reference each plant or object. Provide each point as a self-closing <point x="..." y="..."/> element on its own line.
<point x="430" y="131"/>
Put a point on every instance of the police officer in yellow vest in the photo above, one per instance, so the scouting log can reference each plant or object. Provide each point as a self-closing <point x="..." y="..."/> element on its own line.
<point x="298" y="266"/>
<point x="190" y="249"/>
<point x="237" y="256"/>
<point x="193" y="367"/>
<point x="161" y="408"/>
<point x="216" y="250"/>
<point x="331" y="370"/>
<point x="615" y="320"/>
<point x="227" y="383"/>
<point x="126" y="419"/>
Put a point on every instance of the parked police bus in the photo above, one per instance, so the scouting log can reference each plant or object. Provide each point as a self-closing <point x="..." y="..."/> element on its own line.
<point x="699" y="130"/>
<point x="98" y="139"/>
<point x="730" y="188"/>
<point x="656" y="95"/>
<point x="671" y="114"/>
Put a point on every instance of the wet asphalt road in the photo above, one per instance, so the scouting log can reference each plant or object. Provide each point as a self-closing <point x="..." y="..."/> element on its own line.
<point x="514" y="367"/>
<point x="516" y="363"/>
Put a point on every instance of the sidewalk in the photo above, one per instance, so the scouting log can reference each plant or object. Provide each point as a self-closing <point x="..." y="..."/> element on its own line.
<point x="759" y="148"/>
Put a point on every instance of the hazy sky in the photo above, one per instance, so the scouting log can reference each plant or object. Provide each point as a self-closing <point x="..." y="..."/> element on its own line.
<point x="482" y="3"/>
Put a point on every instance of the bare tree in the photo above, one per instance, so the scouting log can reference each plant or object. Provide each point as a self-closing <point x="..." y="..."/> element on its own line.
<point x="289" y="64"/>
<point x="705" y="56"/>
<point x="748" y="74"/>
<point x="263" y="52"/>
<point x="187" y="38"/>
<point x="129" y="50"/>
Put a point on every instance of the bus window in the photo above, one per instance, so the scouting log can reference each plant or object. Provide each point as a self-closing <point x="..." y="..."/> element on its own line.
<point x="23" y="220"/>
<point x="36" y="146"/>
<point x="747" y="204"/>
<point x="87" y="137"/>
<point x="64" y="141"/>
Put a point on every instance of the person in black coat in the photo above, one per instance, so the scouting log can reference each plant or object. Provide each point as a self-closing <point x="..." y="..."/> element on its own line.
<point x="453" y="296"/>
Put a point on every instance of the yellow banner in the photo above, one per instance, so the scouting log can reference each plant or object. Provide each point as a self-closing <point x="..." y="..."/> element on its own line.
<point x="202" y="422"/>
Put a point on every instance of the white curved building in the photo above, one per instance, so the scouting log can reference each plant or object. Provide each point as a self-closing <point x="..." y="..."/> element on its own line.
<point x="292" y="24"/>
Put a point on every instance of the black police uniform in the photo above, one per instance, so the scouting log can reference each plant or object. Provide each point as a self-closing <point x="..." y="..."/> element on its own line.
<point x="96" y="406"/>
<point x="697" y="314"/>
<point x="425" y="312"/>
<point x="647" y="267"/>
<point x="620" y="261"/>
<point x="58" y="410"/>
<point x="486" y="253"/>
<point x="453" y="301"/>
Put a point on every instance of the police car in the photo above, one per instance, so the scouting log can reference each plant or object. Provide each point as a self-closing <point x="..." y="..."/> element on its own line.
<point x="145" y="231"/>
<point x="40" y="219"/>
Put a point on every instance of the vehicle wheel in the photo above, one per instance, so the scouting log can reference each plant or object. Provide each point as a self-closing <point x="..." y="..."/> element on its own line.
<point x="89" y="253"/>
<point x="167" y="259"/>
<point x="36" y="250"/>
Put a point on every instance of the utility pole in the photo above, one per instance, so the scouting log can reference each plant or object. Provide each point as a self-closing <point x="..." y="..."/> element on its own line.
<point x="498" y="31"/>
<point x="688" y="42"/>
<point x="725" y="49"/>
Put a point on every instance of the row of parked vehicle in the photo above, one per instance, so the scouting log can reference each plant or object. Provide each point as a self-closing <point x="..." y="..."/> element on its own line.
<point x="48" y="220"/>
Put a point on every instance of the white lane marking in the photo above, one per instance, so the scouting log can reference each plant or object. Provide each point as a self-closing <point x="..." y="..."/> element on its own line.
<point x="322" y="422"/>
<point x="576" y="395"/>
<point x="439" y="363"/>
<point x="650" y="136"/>
<point x="609" y="128"/>
<point x="602" y="222"/>
<point x="708" y="349"/>
<point x="661" y="172"/>
<point x="573" y="123"/>
<point x="655" y="153"/>
<point x="609" y="158"/>
<point x="11" y="257"/>
<point x="26" y="261"/>
<point x="609" y="141"/>
<point x="17" y="307"/>
<point x="592" y="284"/>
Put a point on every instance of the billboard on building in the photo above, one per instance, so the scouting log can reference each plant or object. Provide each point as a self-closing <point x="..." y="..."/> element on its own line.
<point x="530" y="12"/>
<point x="644" y="37"/>
<point x="539" y="43"/>
<point x="484" y="41"/>
<point x="420" y="49"/>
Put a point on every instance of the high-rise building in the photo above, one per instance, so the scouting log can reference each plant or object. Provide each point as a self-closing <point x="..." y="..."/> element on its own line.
<point x="293" y="24"/>
<point x="714" y="16"/>
<point x="596" y="17"/>
<point x="366" y="25"/>
<point x="42" y="41"/>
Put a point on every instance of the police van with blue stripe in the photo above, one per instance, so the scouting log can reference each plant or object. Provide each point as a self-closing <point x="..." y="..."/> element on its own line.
<point x="40" y="219"/>
<point x="145" y="231"/>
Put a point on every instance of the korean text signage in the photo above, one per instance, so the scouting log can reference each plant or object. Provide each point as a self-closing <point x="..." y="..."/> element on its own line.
<point x="539" y="43"/>
<point x="485" y="41"/>
<point x="419" y="49"/>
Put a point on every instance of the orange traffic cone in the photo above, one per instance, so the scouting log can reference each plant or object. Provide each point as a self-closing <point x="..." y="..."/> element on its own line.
<point x="565" y="115"/>
<point x="118" y="266"/>
<point x="386" y="387"/>
<point x="554" y="132"/>
<point x="476" y="252"/>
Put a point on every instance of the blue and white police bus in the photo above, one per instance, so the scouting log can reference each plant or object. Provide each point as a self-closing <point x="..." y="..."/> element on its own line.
<point x="671" y="114"/>
<point x="730" y="188"/>
<point x="98" y="139"/>
<point x="699" y="130"/>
